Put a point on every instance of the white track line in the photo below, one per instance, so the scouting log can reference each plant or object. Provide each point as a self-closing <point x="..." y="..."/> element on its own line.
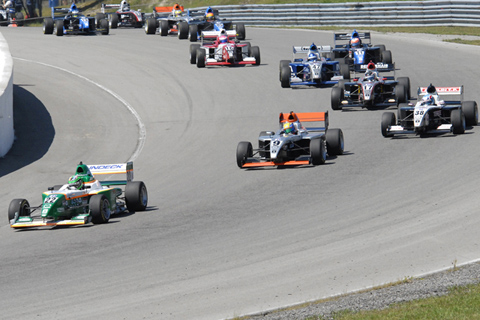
<point x="142" y="132"/>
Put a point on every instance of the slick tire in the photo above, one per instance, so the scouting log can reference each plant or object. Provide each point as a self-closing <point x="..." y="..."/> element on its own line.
<point x="318" y="151"/>
<point x="400" y="94"/>
<point x="58" y="28"/>
<point x="164" y="28"/>
<point x="48" y="26"/>
<point x="283" y="63"/>
<point x="470" y="109"/>
<point x="151" y="26"/>
<point x="18" y="205"/>
<point x="405" y="81"/>
<point x="136" y="196"/>
<point x="458" y="121"/>
<point x="285" y="76"/>
<point x="200" y="58"/>
<point x="193" y="32"/>
<point x="388" y="119"/>
<point x="244" y="150"/>
<point x="99" y="209"/>
<point x="255" y="53"/>
<point x="345" y="71"/>
<point x="240" y="30"/>
<point x="183" y="30"/>
<point x="387" y="57"/>
<point x="336" y="98"/>
<point x="104" y="26"/>
<point x="193" y="53"/>
<point x="335" y="142"/>
<point x="113" y="22"/>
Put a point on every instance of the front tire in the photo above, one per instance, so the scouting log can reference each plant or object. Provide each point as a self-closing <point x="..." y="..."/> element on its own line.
<point x="164" y="28"/>
<point x="193" y="53"/>
<point x="318" y="151"/>
<point x="244" y="150"/>
<point x="458" y="121"/>
<point x="285" y="77"/>
<point x="59" y="28"/>
<point x="336" y="98"/>
<point x="48" y="26"/>
<point x="151" y="26"/>
<point x="113" y="23"/>
<point x="200" y="58"/>
<point x="105" y="27"/>
<point x="99" y="209"/>
<point x="18" y="205"/>
<point x="388" y="119"/>
<point x="255" y="52"/>
<point x="335" y="142"/>
<point x="136" y="196"/>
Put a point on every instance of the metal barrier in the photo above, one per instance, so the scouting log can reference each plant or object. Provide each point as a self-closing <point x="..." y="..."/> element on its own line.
<point x="358" y="14"/>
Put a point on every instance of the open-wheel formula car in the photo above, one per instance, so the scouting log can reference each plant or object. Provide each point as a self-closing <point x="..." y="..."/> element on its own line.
<point x="293" y="144"/>
<point x="358" y="49"/>
<point x="224" y="50"/>
<point x="83" y="199"/>
<point x="123" y="17"/>
<point x="11" y="16"/>
<point x="73" y="23"/>
<point x="315" y="68"/>
<point x="371" y="90"/>
<point x="171" y="20"/>
<point x="430" y="114"/>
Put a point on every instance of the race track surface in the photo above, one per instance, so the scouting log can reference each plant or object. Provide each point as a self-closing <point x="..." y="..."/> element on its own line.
<point x="218" y="242"/>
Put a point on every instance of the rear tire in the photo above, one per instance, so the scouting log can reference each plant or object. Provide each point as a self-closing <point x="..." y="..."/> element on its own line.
<point x="240" y="29"/>
<point x="335" y="142"/>
<point x="458" y="121"/>
<point x="285" y="76"/>
<point x="105" y="27"/>
<point x="193" y="32"/>
<point x="244" y="150"/>
<point x="345" y="71"/>
<point x="405" y="81"/>
<point x="151" y="26"/>
<point x="59" y="28"/>
<point x="470" y="110"/>
<point x="387" y="56"/>
<point x="400" y="93"/>
<point x="48" y="26"/>
<point x="164" y="28"/>
<point x="113" y="23"/>
<point x="388" y="119"/>
<point x="99" y="209"/>
<point x="318" y="151"/>
<point x="336" y="98"/>
<point x="18" y="205"/>
<point x="136" y="196"/>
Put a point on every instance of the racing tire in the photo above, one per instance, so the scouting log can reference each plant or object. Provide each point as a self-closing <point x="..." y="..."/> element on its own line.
<point x="193" y="53"/>
<point x="344" y="71"/>
<point x="341" y="84"/>
<point x="248" y="45"/>
<point x="400" y="94"/>
<point x="318" y="151"/>
<point x="19" y="19"/>
<point x="470" y="109"/>
<point x="99" y="209"/>
<point x="335" y="142"/>
<point x="136" y="196"/>
<point x="58" y="30"/>
<point x="18" y="205"/>
<point x="405" y="81"/>
<point x="285" y="76"/>
<point x="164" y="28"/>
<point x="388" y="119"/>
<point x="193" y="32"/>
<point x="244" y="150"/>
<point x="457" y="118"/>
<point x="255" y="53"/>
<point x="113" y="22"/>
<point x="151" y="26"/>
<point x="48" y="26"/>
<point x="183" y="30"/>
<point x="104" y="25"/>
<point x="98" y="17"/>
<point x="336" y="98"/>
<point x="387" y="56"/>
<point x="200" y="58"/>
<point x="240" y="30"/>
<point x="382" y="47"/>
<point x="283" y="63"/>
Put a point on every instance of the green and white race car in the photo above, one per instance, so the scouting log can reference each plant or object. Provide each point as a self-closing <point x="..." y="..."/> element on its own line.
<point x="83" y="199"/>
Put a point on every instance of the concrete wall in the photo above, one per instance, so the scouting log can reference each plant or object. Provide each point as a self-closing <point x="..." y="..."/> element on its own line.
<point x="6" y="98"/>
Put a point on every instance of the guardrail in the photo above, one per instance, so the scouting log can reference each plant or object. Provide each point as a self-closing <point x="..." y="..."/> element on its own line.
<point x="358" y="14"/>
<point x="6" y="98"/>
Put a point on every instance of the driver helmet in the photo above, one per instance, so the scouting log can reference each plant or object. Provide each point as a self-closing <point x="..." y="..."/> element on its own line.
<point x="210" y="16"/>
<point x="313" y="47"/>
<point x="428" y="100"/>
<point x="312" y="57"/>
<point x="76" y="181"/>
<point x="178" y="13"/>
<point x="371" y="66"/>
<point x="289" y="127"/>
<point x="355" y="42"/>
<point x="431" y="89"/>
<point x="223" y="38"/>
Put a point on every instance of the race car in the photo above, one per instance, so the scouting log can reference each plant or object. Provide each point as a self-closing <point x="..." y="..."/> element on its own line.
<point x="293" y="144"/>
<point x="10" y="16"/>
<point x="73" y="23"/>
<point x="371" y="90"/>
<point x="212" y="22"/>
<point x="430" y="114"/>
<point x="224" y="50"/>
<point x="358" y="49"/>
<point x="315" y="69"/>
<point x="171" y="20"/>
<point x="83" y="199"/>
<point x="123" y="17"/>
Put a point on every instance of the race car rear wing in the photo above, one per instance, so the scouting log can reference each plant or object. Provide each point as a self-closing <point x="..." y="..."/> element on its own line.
<point x="347" y="36"/>
<point x="100" y="171"/>
<point x="381" y="67"/>
<point x="306" y="117"/>
<point x="59" y="10"/>
<point x="212" y="35"/>
<point x="306" y="49"/>
<point x="443" y="91"/>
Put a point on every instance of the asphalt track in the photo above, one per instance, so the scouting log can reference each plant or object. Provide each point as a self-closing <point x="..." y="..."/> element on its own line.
<point x="216" y="241"/>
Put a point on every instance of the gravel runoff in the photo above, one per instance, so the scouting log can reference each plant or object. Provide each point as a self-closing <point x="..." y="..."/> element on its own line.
<point x="436" y="284"/>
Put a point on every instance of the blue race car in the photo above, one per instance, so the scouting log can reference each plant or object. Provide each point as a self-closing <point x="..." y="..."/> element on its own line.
<point x="212" y="22"/>
<point x="73" y="23"/>
<point x="357" y="51"/>
<point x="317" y="69"/>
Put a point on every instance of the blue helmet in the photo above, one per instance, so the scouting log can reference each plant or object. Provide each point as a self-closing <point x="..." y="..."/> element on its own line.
<point x="313" y="47"/>
<point x="312" y="57"/>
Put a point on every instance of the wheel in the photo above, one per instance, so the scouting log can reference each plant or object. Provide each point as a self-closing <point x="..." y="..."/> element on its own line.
<point x="19" y="19"/>
<point x="59" y="28"/>
<point x="99" y="209"/>
<point x="470" y="110"/>
<point x="193" y="32"/>
<point x="387" y="56"/>
<point x="183" y="30"/>
<point x="283" y="63"/>
<point x="240" y="29"/>
<point x="104" y="26"/>
<point x="255" y="52"/>
<point x="99" y="16"/>
<point x="345" y="71"/>
<point x="193" y="53"/>
<point x="285" y="77"/>
<point x="400" y="93"/>
<point x="336" y="98"/>
<point x="458" y="121"/>
<point x="341" y="84"/>
<point x="136" y="196"/>
<point x="388" y="119"/>
<point x="18" y="205"/>
<point x="151" y="26"/>
<point x="249" y="48"/>
<point x="200" y="58"/>
<point x="244" y="150"/>
<point x="48" y="26"/>
<point x="164" y="28"/>
<point x="382" y="47"/>
<point x="318" y="151"/>
<point x="113" y="23"/>
<point x="405" y="81"/>
<point x="335" y="143"/>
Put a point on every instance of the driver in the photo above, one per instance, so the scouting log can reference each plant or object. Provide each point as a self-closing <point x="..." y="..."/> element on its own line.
<point x="223" y="37"/>
<point x="428" y="100"/>
<point x="355" y="40"/>
<point x="209" y="15"/>
<point x="371" y="74"/>
<point x="75" y="182"/>
<point x="289" y="128"/>
<point x="313" y="54"/>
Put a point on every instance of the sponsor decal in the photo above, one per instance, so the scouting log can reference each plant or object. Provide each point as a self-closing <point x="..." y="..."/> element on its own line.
<point x="106" y="167"/>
